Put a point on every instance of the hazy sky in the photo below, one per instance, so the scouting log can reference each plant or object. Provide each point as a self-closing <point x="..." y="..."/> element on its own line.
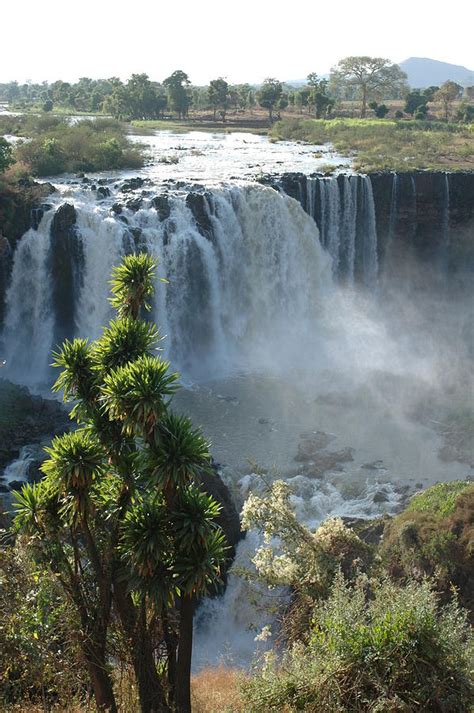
<point x="244" y="40"/>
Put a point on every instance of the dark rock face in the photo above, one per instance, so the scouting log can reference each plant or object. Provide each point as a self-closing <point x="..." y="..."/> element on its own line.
<point x="26" y="419"/>
<point x="66" y="261"/>
<point x="162" y="206"/>
<point x="229" y="517"/>
<point x="6" y="261"/>
<point x="197" y="204"/>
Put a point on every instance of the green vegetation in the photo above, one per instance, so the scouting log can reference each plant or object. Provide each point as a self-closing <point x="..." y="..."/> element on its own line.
<point x="433" y="537"/>
<point x="119" y="518"/>
<point x="379" y="145"/>
<point x="439" y="500"/>
<point x="86" y="146"/>
<point x="6" y="155"/>
<point x="392" y="651"/>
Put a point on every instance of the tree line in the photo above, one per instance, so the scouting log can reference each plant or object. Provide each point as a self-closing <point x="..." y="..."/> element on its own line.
<point x="368" y="80"/>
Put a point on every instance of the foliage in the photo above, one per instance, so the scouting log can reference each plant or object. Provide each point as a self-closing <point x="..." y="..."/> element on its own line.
<point x="85" y="146"/>
<point x="446" y="94"/>
<point x="433" y="536"/>
<point x="39" y="655"/>
<point x="6" y="154"/>
<point x="139" y="98"/>
<point x="371" y="77"/>
<point x="394" y="650"/>
<point x="179" y="96"/>
<point x="218" y="96"/>
<point x="119" y="517"/>
<point x="388" y="145"/>
<point x="291" y="554"/>
<point x="415" y="101"/>
<point x="269" y="95"/>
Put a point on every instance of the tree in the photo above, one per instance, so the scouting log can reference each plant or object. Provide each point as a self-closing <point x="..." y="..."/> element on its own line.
<point x="218" y="95"/>
<point x="269" y="95"/>
<point x="380" y="110"/>
<point x="6" y="154"/>
<point x="469" y="92"/>
<point x="179" y="97"/>
<point x="318" y="98"/>
<point x="371" y="77"/>
<point x="414" y="101"/>
<point x="447" y="94"/>
<point x="119" y="517"/>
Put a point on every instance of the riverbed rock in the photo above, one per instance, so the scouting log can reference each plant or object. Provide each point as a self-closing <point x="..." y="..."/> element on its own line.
<point x="26" y="419"/>
<point x="162" y="206"/>
<point x="131" y="184"/>
<point x="324" y="461"/>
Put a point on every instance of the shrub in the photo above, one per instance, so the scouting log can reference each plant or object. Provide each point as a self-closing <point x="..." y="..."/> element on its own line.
<point x="394" y="651"/>
<point x="6" y="158"/>
<point x="433" y="536"/>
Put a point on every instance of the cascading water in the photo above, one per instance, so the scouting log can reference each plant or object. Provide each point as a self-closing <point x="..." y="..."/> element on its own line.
<point x="230" y="297"/>
<point x="343" y="208"/>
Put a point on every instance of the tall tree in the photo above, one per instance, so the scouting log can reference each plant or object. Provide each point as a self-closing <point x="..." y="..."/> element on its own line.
<point x="119" y="517"/>
<point x="371" y="77"/>
<point x="179" y="96"/>
<point x="269" y="95"/>
<point x="218" y="96"/>
<point x="447" y="94"/>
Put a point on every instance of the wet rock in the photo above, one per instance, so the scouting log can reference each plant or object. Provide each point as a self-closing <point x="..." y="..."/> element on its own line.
<point x="103" y="192"/>
<point x="373" y="465"/>
<point x="117" y="208"/>
<point x="162" y="206"/>
<point x="17" y="484"/>
<point x="312" y="442"/>
<point x="132" y="184"/>
<point x="66" y="270"/>
<point x="381" y="496"/>
<point x="324" y="461"/>
<point x="197" y="204"/>
<point x="134" y="204"/>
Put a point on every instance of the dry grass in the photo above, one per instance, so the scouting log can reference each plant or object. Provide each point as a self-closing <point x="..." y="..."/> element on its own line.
<point x="217" y="690"/>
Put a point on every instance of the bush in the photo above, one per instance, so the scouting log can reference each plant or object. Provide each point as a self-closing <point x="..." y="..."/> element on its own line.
<point x="433" y="536"/>
<point x="394" y="651"/>
<point x="6" y="158"/>
<point x="58" y="147"/>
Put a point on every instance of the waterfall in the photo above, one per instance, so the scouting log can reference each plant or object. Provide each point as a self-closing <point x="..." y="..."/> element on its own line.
<point x="243" y="288"/>
<point x="345" y="215"/>
<point x="445" y="211"/>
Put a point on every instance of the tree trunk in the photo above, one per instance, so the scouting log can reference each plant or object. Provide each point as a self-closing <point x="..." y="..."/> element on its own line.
<point x="150" y="687"/>
<point x="185" y="648"/>
<point x="364" y="102"/>
<point x="99" y="676"/>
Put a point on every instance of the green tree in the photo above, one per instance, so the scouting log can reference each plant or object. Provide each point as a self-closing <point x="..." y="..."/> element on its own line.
<point x="319" y="98"/>
<point x="6" y="154"/>
<point x="269" y="95"/>
<point x="380" y="110"/>
<point x="414" y="101"/>
<point x="371" y="77"/>
<point x="179" y="96"/>
<point x="119" y="517"/>
<point x="446" y="95"/>
<point x="218" y="96"/>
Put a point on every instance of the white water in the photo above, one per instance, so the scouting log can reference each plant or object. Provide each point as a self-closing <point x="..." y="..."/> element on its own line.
<point x="228" y="300"/>
<point x="18" y="469"/>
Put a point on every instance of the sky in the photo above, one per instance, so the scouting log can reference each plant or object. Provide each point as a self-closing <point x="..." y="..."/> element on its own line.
<point x="243" y="41"/>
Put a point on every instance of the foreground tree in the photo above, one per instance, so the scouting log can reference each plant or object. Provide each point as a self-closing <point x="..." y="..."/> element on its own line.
<point x="119" y="517"/>
<point x="371" y="77"/>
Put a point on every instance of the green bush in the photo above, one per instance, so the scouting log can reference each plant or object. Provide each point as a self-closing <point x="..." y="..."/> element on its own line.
<point x="394" y="650"/>
<point x="56" y="146"/>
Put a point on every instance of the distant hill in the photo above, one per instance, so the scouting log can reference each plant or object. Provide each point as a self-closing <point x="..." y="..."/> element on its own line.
<point x="423" y="72"/>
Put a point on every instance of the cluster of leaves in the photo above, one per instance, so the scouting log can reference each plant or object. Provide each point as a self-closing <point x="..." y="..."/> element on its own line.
<point x="119" y="517"/>
<point x="393" y="650"/>
<point x="55" y="146"/>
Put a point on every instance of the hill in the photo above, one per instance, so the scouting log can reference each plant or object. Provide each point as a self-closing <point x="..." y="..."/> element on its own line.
<point x="423" y="72"/>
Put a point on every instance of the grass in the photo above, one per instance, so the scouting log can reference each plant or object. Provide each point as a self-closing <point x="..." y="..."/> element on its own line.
<point x="382" y="145"/>
<point x="217" y="690"/>
<point x="439" y="500"/>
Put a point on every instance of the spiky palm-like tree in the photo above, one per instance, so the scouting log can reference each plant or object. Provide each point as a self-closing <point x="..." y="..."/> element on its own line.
<point x="119" y="516"/>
